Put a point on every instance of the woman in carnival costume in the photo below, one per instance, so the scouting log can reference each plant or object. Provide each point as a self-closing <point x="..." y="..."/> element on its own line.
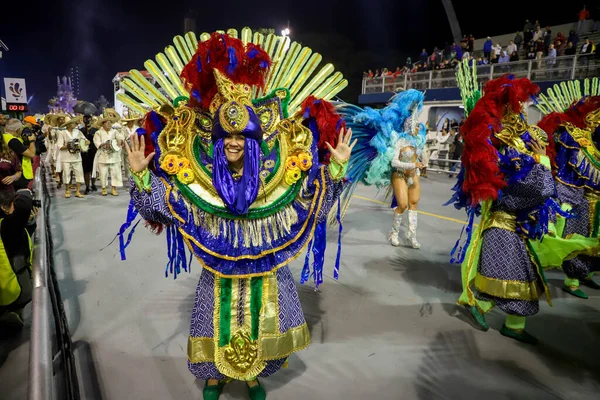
<point x="243" y="171"/>
<point x="389" y="150"/>
<point x="573" y="121"/>
<point x="506" y="178"/>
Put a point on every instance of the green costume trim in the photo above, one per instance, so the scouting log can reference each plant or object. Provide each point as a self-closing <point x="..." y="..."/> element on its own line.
<point x="337" y="170"/>
<point x="256" y="291"/>
<point x="225" y="312"/>
<point x="255" y="213"/>
<point x="545" y="161"/>
<point x="515" y="322"/>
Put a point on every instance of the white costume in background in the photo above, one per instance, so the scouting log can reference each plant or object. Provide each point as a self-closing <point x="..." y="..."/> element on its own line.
<point x="50" y="143"/>
<point x="430" y="147"/>
<point x="56" y="133"/>
<point x="107" y="161"/>
<point x="125" y="160"/>
<point x="70" y="161"/>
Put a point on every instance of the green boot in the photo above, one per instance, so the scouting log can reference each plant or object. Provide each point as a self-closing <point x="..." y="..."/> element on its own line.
<point x="520" y="335"/>
<point x="589" y="282"/>
<point x="256" y="392"/>
<point x="575" y="292"/>
<point x="477" y="317"/>
<point x="212" y="392"/>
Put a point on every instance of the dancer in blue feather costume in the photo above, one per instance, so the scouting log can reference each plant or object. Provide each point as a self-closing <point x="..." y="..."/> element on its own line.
<point x="390" y="144"/>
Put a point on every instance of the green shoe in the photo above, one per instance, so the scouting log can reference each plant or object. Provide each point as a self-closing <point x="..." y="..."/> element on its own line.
<point x="212" y="392"/>
<point x="589" y="282"/>
<point x="575" y="292"/>
<point x="477" y="317"/>
<point x="521" y="336"/>
<point x="257" y="392"/>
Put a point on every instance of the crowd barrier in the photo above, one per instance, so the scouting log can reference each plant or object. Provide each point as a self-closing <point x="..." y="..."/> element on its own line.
<point x="52" y="373"/>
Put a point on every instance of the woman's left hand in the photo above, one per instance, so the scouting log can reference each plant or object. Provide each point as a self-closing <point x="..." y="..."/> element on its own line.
<point x="344" y="149"/>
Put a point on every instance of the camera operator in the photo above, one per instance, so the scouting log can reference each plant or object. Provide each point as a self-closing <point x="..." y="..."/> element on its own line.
<point x="40" y="147"/>
<point x="23" y="147"/>
<point x="15" y="257"/>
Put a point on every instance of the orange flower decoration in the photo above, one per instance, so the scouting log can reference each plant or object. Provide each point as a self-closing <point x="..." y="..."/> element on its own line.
<point x="170" y="164"/>
<point x="183" y="163"/>
<point x="304" y="161"/>
<point x="292" y="162"/>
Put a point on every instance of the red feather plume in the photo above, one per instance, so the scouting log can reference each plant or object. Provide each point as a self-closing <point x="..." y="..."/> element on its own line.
<point x="242" y="64"/>
<point x="483" y="179"/>
<point x="328" y="121"/>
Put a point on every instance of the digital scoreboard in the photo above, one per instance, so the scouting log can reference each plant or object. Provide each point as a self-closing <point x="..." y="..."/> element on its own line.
<point x="16" y="107"/>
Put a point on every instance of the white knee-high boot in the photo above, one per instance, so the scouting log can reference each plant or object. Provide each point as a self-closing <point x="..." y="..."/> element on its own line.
<point x="411" y="233"/>
<point x="394" y="236"/>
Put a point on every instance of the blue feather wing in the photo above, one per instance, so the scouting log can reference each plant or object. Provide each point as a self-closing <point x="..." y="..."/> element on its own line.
<point x="364" y="124"/>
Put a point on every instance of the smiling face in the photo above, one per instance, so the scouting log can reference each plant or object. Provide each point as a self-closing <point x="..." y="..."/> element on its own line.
<point x="234" y="148"/>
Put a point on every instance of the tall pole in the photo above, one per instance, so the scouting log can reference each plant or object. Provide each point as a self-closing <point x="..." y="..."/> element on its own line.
<point x="452" y="20"/>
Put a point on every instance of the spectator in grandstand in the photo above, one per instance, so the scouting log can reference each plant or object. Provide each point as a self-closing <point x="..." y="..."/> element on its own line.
<point x="537" y="34"/>
<point x="443" y="147"/>
<point x="487" y="47"/>
<point x="377" y="73"/>
<point x="409" y="63"/>
<point x="586" y="48"/>
<point x="464" y="43"/>
<point x="494" y="59"/>
<point x="447" y="52"/>
<point x="512" y="47"/>
<point x="528" y="26"/>
<point x="471" y="42"/>
<point x="539" y="52"/>
<point x="584" y="15"/>
<point x="15" y="265"/>
<point x="570" y="50"/>
<point x="528" y="35"/>
<point x="423" y="57"/>
<point x="551" y="58"/>
<point x="370" y="74"/>
<point x="518" y="41"/>
<point x="456" y="153"/>
<point x="514" y="56"/>
<point x="574" y="38"/>
<point x="560" y="48"/>
<point x="531" y="52"/>
<point x="457" y="49"/>
<point x="559" y="38"/>
<point x="479" y="61"/>
<point x="497" y="49"/>
<point x="365" y="75"/>
<point x="547" y="37"/>
<point x="397" y="73"/>
<point x="504" y="58"/>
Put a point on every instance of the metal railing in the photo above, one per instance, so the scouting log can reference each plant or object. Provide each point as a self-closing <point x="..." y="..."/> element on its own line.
<point x="47" y="307"/>
<point x="538" y="70"/>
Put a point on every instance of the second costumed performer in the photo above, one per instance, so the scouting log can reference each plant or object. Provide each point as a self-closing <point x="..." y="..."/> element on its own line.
<point x="247" y="187"/>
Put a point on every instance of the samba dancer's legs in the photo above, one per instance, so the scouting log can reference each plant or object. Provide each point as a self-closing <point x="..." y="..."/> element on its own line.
<point x="401" y="193"/>
<point x="414" y="195"/>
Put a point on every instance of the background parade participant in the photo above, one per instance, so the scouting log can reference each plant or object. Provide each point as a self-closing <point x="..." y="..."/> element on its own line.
<point x="390" y="146"/>
<point x="247" y="318"/>
<point x="108" y="158"/>
<point x="574" y="125"/>
<point x="131" y="124"/>
<point x="88" y="157"/>
<point x="69" y="143"/>
<point x="57" y="120"/>
<point x="503" y="153"/>
<point x="10" y="167"/>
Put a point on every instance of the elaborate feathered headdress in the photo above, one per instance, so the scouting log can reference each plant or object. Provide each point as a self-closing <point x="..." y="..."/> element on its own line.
<point x="481" y="131"/>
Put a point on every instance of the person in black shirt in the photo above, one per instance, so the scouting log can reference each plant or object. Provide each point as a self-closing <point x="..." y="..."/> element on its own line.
<point x="88" y="157"/>
<point x="24" y="148"/>
<point x="15" y="256"/>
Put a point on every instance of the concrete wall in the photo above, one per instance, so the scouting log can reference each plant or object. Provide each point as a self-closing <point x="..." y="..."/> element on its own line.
<point x="564" y="28"/>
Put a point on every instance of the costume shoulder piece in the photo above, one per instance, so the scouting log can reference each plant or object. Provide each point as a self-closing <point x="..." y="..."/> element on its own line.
<point x="572" y="121"/>
<point x="272" y="93"/>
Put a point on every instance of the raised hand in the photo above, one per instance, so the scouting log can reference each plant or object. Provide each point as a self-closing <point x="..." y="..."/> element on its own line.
<point x="343" y="149"/>
<point x="537" y="147"/>
<point x="137" y="160"/>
